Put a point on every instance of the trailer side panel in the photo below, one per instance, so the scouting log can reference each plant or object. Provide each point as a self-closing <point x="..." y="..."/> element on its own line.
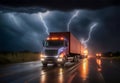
<point x="75" y="45"/>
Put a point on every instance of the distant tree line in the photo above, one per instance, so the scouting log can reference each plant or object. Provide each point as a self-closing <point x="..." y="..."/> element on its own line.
<point x="111" y="54"/>
<point x="16" y="52"/>
<point x="18" y="57"/>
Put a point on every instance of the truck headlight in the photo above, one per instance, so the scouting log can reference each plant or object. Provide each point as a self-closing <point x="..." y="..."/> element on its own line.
<point x="59" y="60"/>
<point x="42" y="59"/>
<point x="43" y="56"/>
<point x="61" y="55"/>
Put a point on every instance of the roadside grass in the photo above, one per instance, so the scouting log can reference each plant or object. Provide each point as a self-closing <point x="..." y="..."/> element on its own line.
<point x="8" y="58"/>
<point x="115" y="58"/>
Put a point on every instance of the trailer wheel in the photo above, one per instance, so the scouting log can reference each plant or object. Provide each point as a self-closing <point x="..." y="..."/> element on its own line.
<point x="62" y="65"/>
<point x="55" y="64"/>
<point x="76" y="59"/>
<point x="44" y="64"/>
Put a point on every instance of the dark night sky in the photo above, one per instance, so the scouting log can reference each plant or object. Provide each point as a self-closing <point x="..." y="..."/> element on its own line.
<point x="21" y="27"/>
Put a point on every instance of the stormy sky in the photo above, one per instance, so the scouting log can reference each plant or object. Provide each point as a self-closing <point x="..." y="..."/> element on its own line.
<point x="21" y="27"/>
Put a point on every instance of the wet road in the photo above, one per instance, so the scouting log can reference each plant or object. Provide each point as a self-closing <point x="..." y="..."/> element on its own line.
<point x="89" y="70"/>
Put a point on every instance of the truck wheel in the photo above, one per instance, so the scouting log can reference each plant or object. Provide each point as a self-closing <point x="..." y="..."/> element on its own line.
<point x="44" y="64"/>
<point x="62" y="64"/>
<point x="78" y="58"/>
<point x="75" y="59"/>
<point x="55" y="64"/>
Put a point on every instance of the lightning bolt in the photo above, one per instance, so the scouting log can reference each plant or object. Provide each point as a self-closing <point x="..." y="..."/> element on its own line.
<point x="44" y="23"/>
<point x="91" y="29"/>
<point x="74" y="15"/>
<point x="89" y="35"/>
<point x="13" y="18"/>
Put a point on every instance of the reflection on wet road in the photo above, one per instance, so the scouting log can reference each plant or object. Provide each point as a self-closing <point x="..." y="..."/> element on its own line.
<point x="89" y="70"/>
<point x="98" y="61"/>
<point x="84" y="69"/>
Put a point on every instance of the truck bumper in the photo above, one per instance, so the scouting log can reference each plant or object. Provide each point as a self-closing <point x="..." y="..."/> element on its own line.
<point x="52" y="60"/>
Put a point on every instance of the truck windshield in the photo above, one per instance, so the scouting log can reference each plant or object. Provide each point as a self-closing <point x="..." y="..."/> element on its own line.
<point x="51" y="43"/>
<point x="51" y="52"/>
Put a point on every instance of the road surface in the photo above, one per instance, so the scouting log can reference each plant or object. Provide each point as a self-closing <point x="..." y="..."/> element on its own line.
<point x="89" y="70"/>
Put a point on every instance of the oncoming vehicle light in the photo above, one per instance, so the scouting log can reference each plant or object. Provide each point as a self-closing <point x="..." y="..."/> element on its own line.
<point x="97" y="54"/>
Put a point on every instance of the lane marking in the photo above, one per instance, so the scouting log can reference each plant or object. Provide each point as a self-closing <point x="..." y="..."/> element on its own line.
<point x="71" y="78"/>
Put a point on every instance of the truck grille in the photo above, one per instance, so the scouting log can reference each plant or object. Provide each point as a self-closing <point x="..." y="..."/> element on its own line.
<point x="50" y="60"/>
<point x="51" y="52"/>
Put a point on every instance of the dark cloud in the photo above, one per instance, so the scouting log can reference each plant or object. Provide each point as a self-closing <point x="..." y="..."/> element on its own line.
<point x="17" y="33"/>
<point x="7" y="9"/>
<point x="32" y="6"/>
<point x="106" y="35"/>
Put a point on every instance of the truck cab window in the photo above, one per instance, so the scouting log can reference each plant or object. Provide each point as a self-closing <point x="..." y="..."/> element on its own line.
<point x="54" y="43"/>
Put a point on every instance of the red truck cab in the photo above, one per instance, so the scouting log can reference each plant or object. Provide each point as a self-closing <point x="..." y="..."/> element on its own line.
<point x="58" y="47"/>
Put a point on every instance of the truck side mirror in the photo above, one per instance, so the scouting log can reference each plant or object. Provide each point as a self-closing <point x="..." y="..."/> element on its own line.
<point x="43" y="43"/>
<point x="66" y="44"/>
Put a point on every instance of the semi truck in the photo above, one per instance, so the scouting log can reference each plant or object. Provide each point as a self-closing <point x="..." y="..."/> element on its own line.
<point x="61" y="47"/>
